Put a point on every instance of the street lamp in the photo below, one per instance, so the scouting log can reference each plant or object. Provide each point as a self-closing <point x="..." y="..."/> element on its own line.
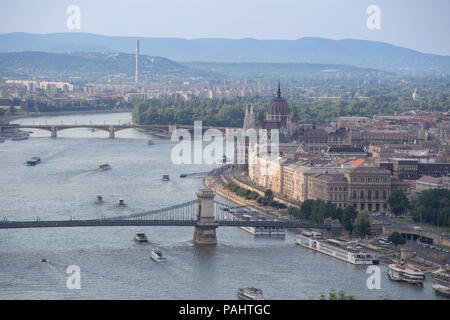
<point x="224" y="160"/>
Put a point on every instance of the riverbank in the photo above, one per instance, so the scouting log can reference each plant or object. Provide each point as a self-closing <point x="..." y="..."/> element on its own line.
<point x="215" y="179"/>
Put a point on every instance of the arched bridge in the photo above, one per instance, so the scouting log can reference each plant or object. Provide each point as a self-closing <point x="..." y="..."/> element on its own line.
<point x="110" y="128"/>
<point x="204" y="214"/>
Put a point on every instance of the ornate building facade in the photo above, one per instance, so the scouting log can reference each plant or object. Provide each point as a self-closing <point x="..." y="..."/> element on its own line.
<point x="278" y="116"/>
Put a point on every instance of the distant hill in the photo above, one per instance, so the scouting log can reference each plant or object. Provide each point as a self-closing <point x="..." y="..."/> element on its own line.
<point x="361" y="53"/>
<point x="88" y="66"/>
<point x="120" y="67"/>
<point x="287" y="71"/>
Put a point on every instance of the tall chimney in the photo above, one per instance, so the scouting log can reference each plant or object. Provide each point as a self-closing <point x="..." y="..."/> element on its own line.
<point x="136" y="76"/>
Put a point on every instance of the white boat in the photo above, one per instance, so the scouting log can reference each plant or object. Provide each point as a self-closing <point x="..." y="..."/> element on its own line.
<point x="405" y="272"/>
<point x="140" y="237"/>
<point x="245" y="215"/>
<point x="250" y="293"/>
<point x="441" y="282"/>
<point x="121" y="203"/>
<point x="265" y="231"/>
<point x="334" y="248"/>
<point x="104" y="166"/>
<point x="156" y="255"/>
<point x="165" y="177"/>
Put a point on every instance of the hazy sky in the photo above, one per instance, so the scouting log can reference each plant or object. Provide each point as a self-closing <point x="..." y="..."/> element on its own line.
<point x="423" y="25"/>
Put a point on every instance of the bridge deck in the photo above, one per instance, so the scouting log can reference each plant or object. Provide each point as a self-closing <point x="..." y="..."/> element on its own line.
<point x="174" y="223"/>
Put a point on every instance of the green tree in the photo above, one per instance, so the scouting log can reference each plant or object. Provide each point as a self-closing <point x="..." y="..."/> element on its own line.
<point x="362" y="223"/>
<point x="396" y="238"/>
<point x="306" y="209"/>
<point x="333" y="295"/>
<point x="268" y="195"/>
<point x="348" y="217"/>
<point x="433" y="206"/>
<point x="398" y="202"/>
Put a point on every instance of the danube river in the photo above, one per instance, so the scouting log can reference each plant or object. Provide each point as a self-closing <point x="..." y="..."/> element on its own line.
<point x="112" y="265"/>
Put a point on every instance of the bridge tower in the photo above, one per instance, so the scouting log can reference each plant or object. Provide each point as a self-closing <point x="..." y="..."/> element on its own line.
<point x="111" y="132"/>
<point x="53" y="131"/>
<point x="205" y="231"/>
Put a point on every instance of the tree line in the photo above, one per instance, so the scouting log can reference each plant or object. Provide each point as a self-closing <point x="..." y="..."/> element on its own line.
<point x="318" y="210"/>
<point x="230" y="112"/>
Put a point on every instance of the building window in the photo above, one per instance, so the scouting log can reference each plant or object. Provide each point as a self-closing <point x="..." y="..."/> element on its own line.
<point x="361" y="194"/>
<point x="377" y="195"/>
<point x="369" y="194"/>
<point x="362" y="179"/>
<point x="362" y="206"/>
<point x="354" y="179"/>
<point x="384" y="194"/>
<point x="369" y="179"/>
<point x="354" y="194"/>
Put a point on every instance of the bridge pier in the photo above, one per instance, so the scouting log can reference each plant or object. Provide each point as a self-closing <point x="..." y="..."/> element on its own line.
<point x="53" y="131"/>
<point x="205" y="230"/>
<point x="111" y="132"/>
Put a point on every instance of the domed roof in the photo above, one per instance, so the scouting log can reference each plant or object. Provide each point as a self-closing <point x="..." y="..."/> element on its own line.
<point x="279" y="106"/>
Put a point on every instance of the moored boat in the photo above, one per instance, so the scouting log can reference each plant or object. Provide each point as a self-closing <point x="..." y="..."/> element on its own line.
<point x="338" y="249"/>
<point x="441" y="282"/>
<point x="165" y="177"/>
<point x="121" y="203"/>
<point x="150" y="142"/>
<point x="156" y="255"/>
<point x="250" y="293"/>
<point x="406" y="273"/>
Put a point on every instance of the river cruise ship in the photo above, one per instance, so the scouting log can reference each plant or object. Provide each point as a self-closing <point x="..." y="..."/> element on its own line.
<point x="265" y="231"/>
<point x="156" y="255"/>
<point x="441" y="282"/>
<point x="250" y="293"/>
<point x="246" y="215"/>
<point x="335" y="248"/>
<point x="406" y="273"/>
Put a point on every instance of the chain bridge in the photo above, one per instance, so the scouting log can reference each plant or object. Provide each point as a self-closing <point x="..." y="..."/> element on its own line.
<point x="204" y="214"/>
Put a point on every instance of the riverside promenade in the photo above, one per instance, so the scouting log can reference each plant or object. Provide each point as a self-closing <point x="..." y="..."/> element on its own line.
<point x="214" y="180"/>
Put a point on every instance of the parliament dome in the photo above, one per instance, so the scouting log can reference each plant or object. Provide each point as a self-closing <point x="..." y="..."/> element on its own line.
<point x="279" y="106"/>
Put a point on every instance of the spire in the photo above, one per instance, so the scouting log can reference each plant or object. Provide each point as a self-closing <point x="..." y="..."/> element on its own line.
<point x="279" y="90"/>
<point x="246" y="119"/>
<point x="251" y="118"/>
